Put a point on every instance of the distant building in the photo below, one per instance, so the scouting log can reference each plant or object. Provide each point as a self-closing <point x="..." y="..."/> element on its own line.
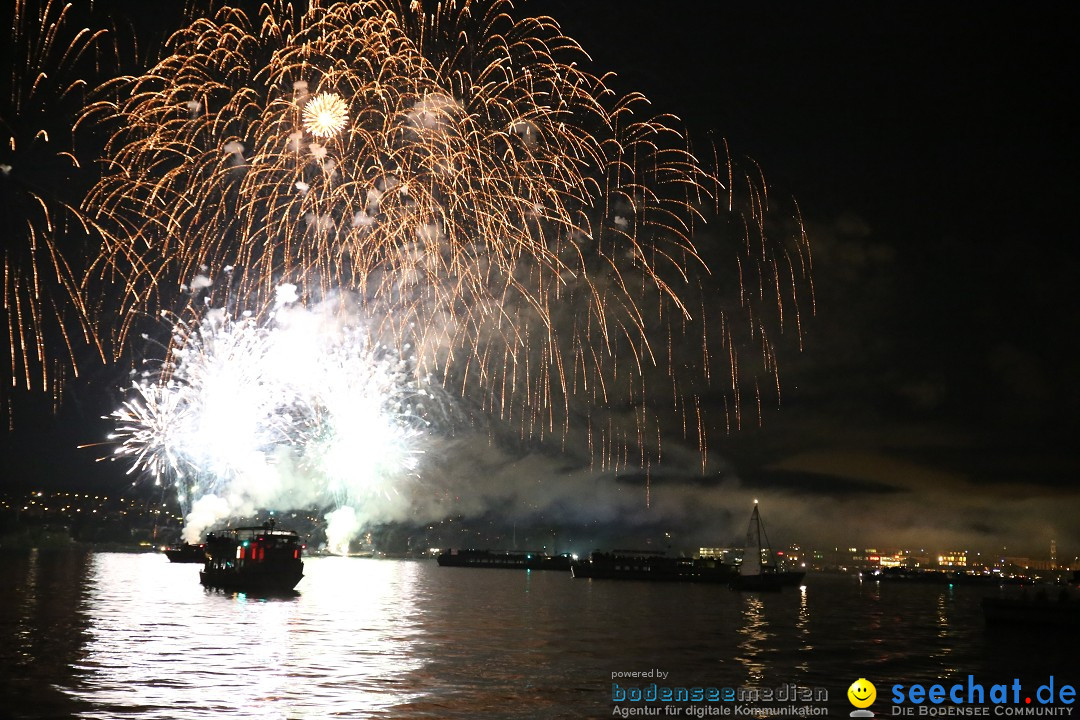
<point x="953" y="559"/>
<point x="726" y="555"/>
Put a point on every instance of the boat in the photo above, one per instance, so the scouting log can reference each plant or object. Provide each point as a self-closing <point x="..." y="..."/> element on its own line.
<point x="754" y="575"/>
<point x="1037" y="609"/>
<point x="942" y="577"/>
<point x="510" y="559"/>
<point x="253" y="559"/>
<point x="652" y="566"/>
<point x="186" y="553"/>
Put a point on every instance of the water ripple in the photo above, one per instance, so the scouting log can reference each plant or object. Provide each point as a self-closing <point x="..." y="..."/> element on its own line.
<point x="131" y="635"/>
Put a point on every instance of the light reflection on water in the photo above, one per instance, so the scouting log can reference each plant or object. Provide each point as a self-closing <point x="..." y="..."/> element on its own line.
<point x="802" y="632"/>
<point x="24" y="635"/>
<point x="189" y="651"/>
<point x="755" y="635"/>
<point x="132" y="635"/>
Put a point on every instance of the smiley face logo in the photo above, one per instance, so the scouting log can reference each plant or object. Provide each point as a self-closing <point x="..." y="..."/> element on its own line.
<point x="862" y="693"/>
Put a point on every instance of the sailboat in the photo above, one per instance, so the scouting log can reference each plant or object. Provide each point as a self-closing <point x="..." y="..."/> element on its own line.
<point x="755" y="575"/>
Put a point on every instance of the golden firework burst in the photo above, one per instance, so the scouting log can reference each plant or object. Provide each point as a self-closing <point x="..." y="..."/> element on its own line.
<point x="325" y="115"/>
<point x="53" y="53"/>
<point x="500" y="210"/>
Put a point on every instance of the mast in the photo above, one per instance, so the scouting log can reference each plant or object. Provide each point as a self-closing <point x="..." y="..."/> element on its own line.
<point x="751" y="562"/>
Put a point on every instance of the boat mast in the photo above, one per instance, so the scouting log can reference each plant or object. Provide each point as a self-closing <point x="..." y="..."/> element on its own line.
<point x="751" y="563"/>
<point x="771" y="561"/>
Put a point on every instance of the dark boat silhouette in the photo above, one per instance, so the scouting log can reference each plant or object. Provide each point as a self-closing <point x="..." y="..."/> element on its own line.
<point x="186" y="553"/>
<point x="511" y="559"/>
<point x="943" y="577"/>
<point x="253" y="559"/>
<point x="652" y="566"/>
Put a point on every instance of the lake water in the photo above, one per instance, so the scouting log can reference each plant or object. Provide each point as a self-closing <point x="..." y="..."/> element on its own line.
<point x="102" y="635"/>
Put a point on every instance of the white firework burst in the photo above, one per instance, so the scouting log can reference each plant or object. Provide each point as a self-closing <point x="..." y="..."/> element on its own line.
<point x="325" y="115"/>
<point x="303" y="410"/>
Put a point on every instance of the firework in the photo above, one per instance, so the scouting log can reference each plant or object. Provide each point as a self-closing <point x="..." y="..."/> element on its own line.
<point x="301" y="410"/>
<point x="49" y="61"/>
<point x="325" y="115"/>
<point x="488" y="202"/>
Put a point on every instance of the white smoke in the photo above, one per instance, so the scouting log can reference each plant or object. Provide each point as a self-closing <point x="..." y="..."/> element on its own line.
<point x="434" y="112"/>
<point x="342" y="525"/>
<point x="205" y="512"/>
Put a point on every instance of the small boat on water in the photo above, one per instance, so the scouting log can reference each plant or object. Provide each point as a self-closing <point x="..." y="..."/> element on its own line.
<point x="754" y="575"/>
<point x="942" y="577"/>
<point x="511" y="559"/>
<point x="253" y="559"/>
<point x="186" y="553"/>
<point x="652" y="566"/>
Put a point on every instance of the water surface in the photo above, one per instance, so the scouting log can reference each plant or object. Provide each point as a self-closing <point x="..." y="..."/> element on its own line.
<point x="131" y="635"/>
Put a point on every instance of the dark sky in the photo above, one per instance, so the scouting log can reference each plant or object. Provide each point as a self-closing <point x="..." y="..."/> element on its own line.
<point x="934" y="156"/>
<point x="932" y="152"/>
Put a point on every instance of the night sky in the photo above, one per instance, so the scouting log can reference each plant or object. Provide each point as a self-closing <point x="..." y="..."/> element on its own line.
<point x="934" y="156"/>
<point x="932" y="153"/>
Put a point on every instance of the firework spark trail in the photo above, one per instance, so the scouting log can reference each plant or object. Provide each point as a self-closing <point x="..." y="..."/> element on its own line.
<point x="49" y="62"/>
<point x="462" y="184"/>
<point x="492" y="205"/>
<point x="301" y="410"/>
